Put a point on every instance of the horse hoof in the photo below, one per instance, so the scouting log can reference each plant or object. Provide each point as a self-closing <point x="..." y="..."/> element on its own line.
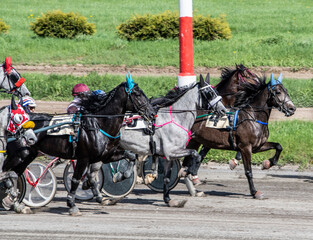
<point x="182" y="172"/>
<point x="110" y="201"/>
<point x="7" y="203"/>
<point x="177" y="204"/>
<point x="266" y="164"/>
<point x="200" y="194"/>
<point x="74" y="211"/>
<point x="86" y="185"/>
<point x="259" y="195"/>
<point x="117" y="177"/>
<point x="21" y="208"/>
<point x="233" y="164"/>
<point x="149" y="179"/>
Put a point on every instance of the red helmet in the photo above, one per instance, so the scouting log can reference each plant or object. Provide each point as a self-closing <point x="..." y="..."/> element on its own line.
<point x="79" y="88"/>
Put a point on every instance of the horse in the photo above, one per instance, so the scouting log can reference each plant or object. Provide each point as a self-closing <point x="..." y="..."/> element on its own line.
<point x="97" y="134"/>
<point x="11" y="82"/>
<point x="250" y="128"/>
<point x="170" y="132"/>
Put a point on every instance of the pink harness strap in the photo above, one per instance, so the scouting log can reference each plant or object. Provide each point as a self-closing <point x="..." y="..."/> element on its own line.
<point x="172" y="121"/>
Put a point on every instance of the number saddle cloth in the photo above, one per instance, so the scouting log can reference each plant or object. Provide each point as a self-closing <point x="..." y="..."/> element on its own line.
<point x="65" y="125"/>
<point x="226" y="122"/>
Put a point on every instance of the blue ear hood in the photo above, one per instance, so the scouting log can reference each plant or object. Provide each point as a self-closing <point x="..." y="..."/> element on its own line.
<point x="274" y="82"/>
<point x="129" y="82"/>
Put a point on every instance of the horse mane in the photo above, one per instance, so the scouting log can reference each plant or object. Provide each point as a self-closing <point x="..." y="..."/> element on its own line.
<point x="244" y="97"/>
<point x="94" y="103"/>
<point x="170" y="98"/>
<point x="228" y="73"/>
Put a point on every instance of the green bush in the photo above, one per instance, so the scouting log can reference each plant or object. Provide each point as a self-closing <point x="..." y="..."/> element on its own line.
<point x="150" y="27"/>
<point x="166" y="25"/>
<point x="3" y="27"/>
<point x="62" y="25"/>
<point x="207" y="28"/>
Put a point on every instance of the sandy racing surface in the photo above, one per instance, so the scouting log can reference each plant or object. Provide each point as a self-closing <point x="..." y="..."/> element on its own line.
<point x="227" y="212"/>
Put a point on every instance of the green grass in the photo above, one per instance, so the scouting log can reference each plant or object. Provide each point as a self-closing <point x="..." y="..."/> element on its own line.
<point x="295" y="138"/>
<point x="265" y="33"/>
<point x="58" y="87"/>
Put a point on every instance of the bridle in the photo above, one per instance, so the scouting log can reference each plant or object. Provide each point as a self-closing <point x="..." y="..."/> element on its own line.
<point x="214" y="97"/>
<point x="282" y="104"/>
<point x="140" y="108"/>
<point x="11" y="82"/>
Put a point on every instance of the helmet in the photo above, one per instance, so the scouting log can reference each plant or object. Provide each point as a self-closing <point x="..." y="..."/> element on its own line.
<point x="98" y="92"/>
<point x="79" y="88"/>
<point x="29" y="101"/>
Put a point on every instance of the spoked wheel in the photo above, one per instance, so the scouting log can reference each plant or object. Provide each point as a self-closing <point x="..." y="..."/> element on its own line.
<point x="81" y="194"/>
<point x="157" y="184"/>
<point x="21" y="186"/>
<point x="122" y="188"/>
<point x="41" y="185"/>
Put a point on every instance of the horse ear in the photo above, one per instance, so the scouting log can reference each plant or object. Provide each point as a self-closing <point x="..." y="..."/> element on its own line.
<point x="13" y="104"/>
<point x="8" y="65"/>
<point x="280" y="78"/>
<point x="201" y="80"/>
<point x="273" y="81"/>
<point x="207" y="79"/>
<point x="129" y="81"/>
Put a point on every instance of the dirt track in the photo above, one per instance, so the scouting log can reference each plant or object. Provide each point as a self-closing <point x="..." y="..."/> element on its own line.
<point x="80" y="70"/>
<point x="228" y="211"/>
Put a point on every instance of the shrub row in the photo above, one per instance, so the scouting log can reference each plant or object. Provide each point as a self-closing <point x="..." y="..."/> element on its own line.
<point x="147" y="27"/>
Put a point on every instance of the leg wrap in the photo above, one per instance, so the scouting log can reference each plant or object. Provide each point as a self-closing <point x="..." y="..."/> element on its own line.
<point x="166" y="180"/>
<point x="130" y="155"/>
<point x="70" y="200"/>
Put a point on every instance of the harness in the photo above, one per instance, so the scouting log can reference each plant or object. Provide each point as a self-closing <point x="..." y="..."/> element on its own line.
<point x="172" y="121"/>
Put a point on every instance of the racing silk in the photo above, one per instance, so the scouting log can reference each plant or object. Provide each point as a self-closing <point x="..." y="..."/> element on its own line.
<point x="74" y="106"/>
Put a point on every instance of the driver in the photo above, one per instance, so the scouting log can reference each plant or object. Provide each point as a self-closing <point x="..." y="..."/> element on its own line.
<point x="29" y="104"/>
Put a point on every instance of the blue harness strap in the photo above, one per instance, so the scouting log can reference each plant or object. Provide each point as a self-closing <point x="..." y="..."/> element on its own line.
<point x="108" y="135"/>
<point x="235" y="120"/>
<point x="263" y="123"/>
<point x="73" y="120"/>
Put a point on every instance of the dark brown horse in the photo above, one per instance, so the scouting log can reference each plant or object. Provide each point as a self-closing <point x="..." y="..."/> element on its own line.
<point x="250" y="131"/>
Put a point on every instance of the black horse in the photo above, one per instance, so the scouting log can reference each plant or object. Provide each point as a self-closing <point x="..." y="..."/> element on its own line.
<point x="250" y="129"/>
<point x="97" y="134"/>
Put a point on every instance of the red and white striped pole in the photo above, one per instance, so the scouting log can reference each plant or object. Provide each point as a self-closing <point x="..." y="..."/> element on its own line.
<point x="186" y="75"/>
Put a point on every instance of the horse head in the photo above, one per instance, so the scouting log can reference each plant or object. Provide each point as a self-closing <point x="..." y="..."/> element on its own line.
<point x="210" y="97"/>
<point x="20" y="126"/>
<point x="11" y="81"/>
<point x="140" y="102"/>
<point x="279" y="96"/>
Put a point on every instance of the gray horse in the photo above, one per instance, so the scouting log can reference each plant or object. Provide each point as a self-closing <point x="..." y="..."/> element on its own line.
<point x="11" y="82"/>
<point x="171" y="130"/>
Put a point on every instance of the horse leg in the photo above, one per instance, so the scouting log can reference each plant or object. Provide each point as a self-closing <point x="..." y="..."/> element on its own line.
<point x="154" y="167"/>
<point x="92" y="175"/>
<point x="119" y="176"/>
<point x="11" y="201"/>
<point x="166" y="191"/>
<point x="78" y="173"/>
<point x="246" y="157"/>
<point x="235" y="161"/>
<point x="272" y="161"/>
<point x="189" y="162"/>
